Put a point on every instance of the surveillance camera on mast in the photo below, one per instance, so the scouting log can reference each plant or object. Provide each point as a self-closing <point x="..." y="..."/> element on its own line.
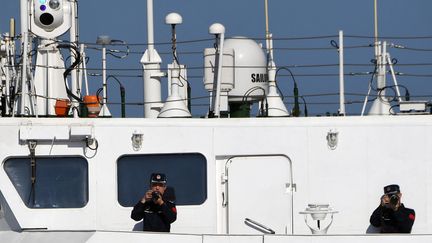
<point x="50" y="18"/>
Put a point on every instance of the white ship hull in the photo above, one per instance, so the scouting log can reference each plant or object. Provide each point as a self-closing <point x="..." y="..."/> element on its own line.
<point x="370" y="152"/>
<point x="118" y="236"/>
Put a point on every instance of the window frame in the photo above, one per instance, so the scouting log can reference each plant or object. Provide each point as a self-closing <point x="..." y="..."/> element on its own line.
<point x="87" y="177"/>
<point x="205" y="167"/>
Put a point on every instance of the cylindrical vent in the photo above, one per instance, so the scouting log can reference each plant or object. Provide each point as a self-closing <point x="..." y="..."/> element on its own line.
<point x="210" y="68"/>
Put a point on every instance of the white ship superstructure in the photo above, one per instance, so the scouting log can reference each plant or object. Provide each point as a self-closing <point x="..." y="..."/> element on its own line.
<point x="72" y="172"/>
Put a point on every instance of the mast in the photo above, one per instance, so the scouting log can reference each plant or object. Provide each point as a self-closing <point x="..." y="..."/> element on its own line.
<point x="276" y="107"/>
<point x="376" y="26"/>
<point x="152" y="74"/>
<point x="24" y="46"/>
<point x="266" y="20"/>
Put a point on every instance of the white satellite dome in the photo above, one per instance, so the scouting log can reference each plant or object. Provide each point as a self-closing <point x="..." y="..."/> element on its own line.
<point x="244" y="69"/>
<point x="250" y="69"/>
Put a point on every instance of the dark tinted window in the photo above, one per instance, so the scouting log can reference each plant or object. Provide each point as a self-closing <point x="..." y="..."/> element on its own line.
<point x="60" y="182"/>
<point x="186" y="173"/>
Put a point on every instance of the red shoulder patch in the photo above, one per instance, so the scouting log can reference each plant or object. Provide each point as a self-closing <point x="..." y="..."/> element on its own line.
<point x="411" y="216"/>
<point x="174" y="209"/>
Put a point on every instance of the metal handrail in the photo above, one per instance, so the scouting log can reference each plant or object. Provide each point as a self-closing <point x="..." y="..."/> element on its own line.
<point x="260" y="227"/>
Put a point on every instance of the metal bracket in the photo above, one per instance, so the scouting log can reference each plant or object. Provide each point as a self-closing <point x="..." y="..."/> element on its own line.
<point x="224" y="178"/>
<point x="32" y="147"/>
<point x="291" y="187"/>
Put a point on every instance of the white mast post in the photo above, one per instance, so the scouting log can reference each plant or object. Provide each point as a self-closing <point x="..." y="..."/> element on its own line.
<point x="219" y="73"/>
<point x="104" y="109"/>
<point x="174" y="106"/>
<point x="341" y="76"/>
<point x="218" y="30"/>
<point x="150" y="28"/>
<point x="276" y="107"/>
<point x="73" y="33"/>
<point x="24" y="45"/>
<point x="376" y="26"/>
<point x="152" y="74"/>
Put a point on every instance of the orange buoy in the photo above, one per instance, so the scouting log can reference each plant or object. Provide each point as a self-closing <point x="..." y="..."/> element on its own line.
<point x="93" y="105"/>
<point x="62" y="107"/>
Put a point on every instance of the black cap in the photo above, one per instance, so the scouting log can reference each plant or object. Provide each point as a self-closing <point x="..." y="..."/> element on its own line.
<point x="158" y="178"/>
<point x="391" y="189"/>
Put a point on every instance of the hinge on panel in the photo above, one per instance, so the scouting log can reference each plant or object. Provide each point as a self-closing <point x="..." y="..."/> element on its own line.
<point x="291" y="187"/>
<point x="224" y="178"/>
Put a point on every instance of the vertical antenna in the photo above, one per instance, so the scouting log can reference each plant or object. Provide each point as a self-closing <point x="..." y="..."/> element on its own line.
<point x="341" y="75"/>
<point x="150" y="28"/>
<point x="73" y="33"/>
<point x="274" y="103"/>
<point x="24" y="12"/>
<point x="151" y="71"/>
<point x="267" y="34"/>
<point x="376" y="25"/>
<point x="266" y="19"/>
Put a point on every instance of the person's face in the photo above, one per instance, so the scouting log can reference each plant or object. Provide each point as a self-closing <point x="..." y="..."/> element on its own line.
<point x="158" y="187"/>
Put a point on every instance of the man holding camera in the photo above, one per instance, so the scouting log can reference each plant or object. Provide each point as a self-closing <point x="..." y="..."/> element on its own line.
<point x="391" y="215"/>
<point x="158" y="213"/>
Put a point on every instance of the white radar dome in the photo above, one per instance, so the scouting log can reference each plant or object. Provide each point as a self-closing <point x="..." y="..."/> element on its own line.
<point x="250" y="74"/>
<point x="173" y="18"/>
<point x="216" y="29"/>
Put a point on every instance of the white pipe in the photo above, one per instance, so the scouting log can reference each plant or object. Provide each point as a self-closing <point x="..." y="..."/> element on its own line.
<point x="378" y="74"/>
<point x="150" y="28"/>
<point x="393" y="76"/>
<point x="152" y="75"/>
<point x="219" y="76"/>
<point x="7" y="74"/>
<point x="382" y="67"/>
<point x="33" y="99"/>
<point x="104" y="84"/>
<point x="84" y="68"/>
<point x="104" y="109"/>
<point x="74" y="40"/>
<point x="341" y="75"/>
<point x="376" y="26"/>
<point x="266" y="20"/>
<point x="24" y="44"/>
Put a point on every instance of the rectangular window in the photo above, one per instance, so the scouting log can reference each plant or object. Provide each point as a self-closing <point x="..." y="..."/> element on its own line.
<point x="186" y="175"/>
<point x="60" y="182"/>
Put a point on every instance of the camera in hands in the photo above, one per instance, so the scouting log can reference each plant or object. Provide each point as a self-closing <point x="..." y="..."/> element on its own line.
<point x="155" y="196"/>
<point x="394" y="199"/>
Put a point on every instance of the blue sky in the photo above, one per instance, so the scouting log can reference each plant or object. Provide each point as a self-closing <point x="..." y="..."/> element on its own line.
<point x="126" y="20"/>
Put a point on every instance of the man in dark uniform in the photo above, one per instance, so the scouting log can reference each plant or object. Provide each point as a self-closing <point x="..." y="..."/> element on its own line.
<point x="158" y="212"/>
<point x="391" y="215"/>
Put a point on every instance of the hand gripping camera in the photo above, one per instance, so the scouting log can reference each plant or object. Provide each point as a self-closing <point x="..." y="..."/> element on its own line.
<point x="50" y="18"/>
<point x="155" y="196"/>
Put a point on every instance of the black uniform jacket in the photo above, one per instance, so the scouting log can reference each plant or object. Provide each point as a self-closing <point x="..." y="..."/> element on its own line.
<point x="400" y="221"/>
<point x="156" y="218"/>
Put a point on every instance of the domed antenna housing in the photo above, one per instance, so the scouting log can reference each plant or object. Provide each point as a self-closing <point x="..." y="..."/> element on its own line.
<point x="176" y="103"/>
<point x="216" y="29"/>
<point x="173" y="19"/>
